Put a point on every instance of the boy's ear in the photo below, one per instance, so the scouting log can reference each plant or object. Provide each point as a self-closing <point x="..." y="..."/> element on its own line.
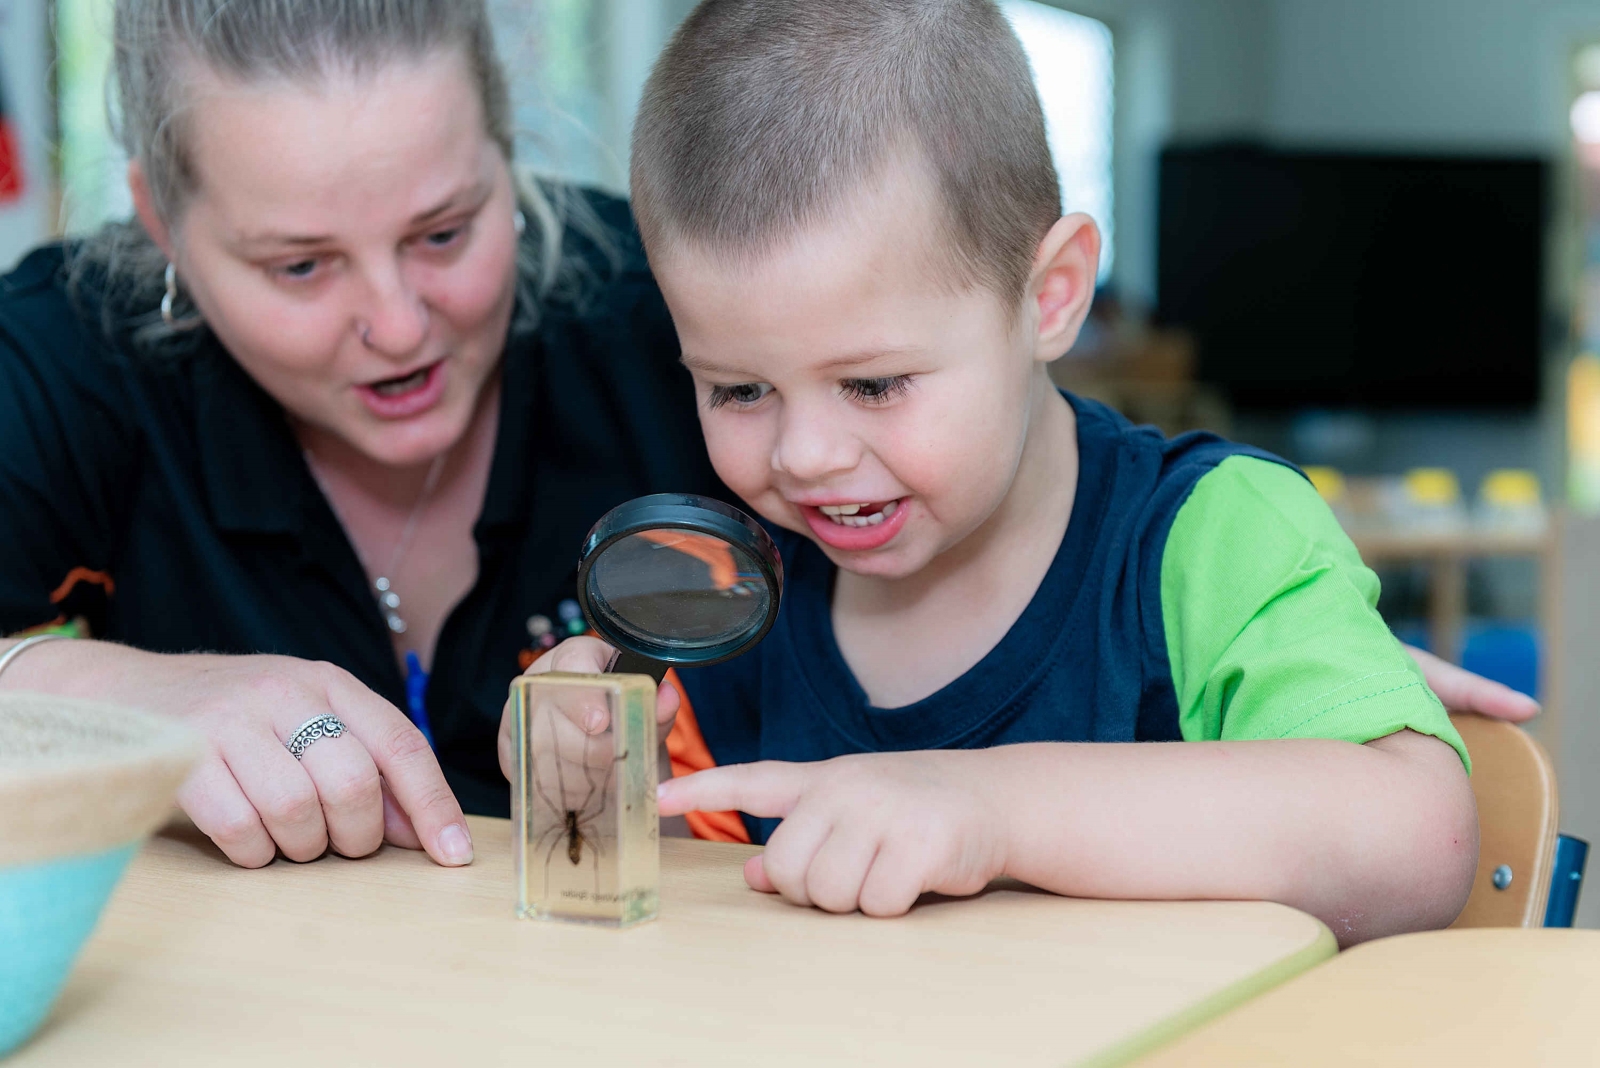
<point x="145" y="206"/>
<point x="1062" y="284"/>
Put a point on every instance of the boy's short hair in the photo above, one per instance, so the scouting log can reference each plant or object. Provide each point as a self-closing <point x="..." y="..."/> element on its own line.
<point x="761" y="116"/>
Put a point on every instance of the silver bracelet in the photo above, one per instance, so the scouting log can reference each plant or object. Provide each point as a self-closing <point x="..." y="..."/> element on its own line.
<point x="26" y="643"/>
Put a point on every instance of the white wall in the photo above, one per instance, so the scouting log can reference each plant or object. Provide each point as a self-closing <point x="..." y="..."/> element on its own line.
<point x="1464" y="75"/>
<point x="23" y="64"/>
<point x="1186" y="70"/>
<point x="1448" y="74"/>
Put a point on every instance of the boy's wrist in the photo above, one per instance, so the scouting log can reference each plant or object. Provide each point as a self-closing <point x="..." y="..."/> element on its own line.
<point x="999" y="779"/>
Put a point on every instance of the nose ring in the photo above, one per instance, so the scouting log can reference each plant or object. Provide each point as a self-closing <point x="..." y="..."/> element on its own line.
<point x="365" y="333"/>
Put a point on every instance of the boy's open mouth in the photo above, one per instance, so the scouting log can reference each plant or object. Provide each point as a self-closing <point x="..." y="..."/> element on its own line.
<point x="869" y="514"/>
<point x="862" y="527"/>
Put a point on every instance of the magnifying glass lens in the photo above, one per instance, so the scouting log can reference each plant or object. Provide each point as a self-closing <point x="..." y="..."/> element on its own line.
<point x="679" y="589"/>
<point x="675" y="578"/>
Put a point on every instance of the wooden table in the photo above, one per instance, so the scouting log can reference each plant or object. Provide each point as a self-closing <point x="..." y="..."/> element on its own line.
<point x="393" y="961"/>
<point x="1498" y="997"/>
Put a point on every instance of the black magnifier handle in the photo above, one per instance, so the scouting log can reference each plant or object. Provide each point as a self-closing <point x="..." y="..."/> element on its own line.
<point x="627" y="663"/>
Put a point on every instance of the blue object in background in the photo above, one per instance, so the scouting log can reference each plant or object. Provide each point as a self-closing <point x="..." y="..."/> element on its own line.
<point x="47" y="910"/>
<point x="417" y="696"/>
<point x="1504" y="652"/>
<point x="1572" y="854"/>
<point x="1412" y="632"/>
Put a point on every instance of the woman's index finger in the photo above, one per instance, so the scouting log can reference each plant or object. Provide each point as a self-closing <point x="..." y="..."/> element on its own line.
<point x="409" y="768"/>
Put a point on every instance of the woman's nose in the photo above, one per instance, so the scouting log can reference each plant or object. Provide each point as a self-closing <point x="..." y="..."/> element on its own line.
<point x="396" y="318"/>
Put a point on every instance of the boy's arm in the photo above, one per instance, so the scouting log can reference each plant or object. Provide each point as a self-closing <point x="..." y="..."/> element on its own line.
<point x="1309" y="778"/>
<point x="1372" y="839"/>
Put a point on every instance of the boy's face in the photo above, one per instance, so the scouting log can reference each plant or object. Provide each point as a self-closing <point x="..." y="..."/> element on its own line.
<point x="848" y="391"/>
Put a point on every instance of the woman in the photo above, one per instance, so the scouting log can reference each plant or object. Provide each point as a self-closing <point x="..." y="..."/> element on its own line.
<point x="316" y="438"/>
<point x="322" y="401"/>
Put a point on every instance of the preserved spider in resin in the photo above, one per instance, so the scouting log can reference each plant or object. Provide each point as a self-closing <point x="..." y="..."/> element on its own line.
<point x="575" y="819"/>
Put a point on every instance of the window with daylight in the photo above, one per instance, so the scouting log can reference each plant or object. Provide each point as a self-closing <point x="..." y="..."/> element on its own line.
<point x="1072" y="66"/>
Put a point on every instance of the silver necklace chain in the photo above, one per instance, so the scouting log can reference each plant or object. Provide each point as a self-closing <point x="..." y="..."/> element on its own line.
<point x="383" y="585"/>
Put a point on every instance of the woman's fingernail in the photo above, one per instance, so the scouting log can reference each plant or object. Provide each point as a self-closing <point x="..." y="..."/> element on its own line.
<point x="663" y="789"/>
<point x="592" y="721"/>
<point x="455" y="845"/>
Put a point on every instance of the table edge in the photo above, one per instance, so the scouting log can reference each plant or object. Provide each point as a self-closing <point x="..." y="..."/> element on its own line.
<point x="1170" y="1028"/>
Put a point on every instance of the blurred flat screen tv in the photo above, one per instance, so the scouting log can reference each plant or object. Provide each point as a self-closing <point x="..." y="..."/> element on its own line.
<point x="1334" y="280"/>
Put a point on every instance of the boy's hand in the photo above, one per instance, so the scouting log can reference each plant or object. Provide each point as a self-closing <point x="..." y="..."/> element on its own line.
<point x="589" y="656"/>
<point x="1460" y="690"/>
<point x="871" y="831"/>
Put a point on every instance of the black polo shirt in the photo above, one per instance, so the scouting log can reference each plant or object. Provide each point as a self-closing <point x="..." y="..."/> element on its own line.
<point x="165" y="500"/>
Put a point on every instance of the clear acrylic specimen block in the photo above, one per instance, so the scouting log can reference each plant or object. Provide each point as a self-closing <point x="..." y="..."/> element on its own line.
<point x="586" y="837"/>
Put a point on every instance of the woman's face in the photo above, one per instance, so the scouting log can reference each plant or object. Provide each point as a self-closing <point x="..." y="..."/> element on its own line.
<point x="351" y="242"/>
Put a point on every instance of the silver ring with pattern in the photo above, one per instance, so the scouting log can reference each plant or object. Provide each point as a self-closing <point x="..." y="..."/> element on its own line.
<point x="311" y="731"/>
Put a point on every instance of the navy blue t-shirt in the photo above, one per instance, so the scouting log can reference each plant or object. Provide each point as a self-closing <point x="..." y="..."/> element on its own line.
<point x="1086" y="661"/>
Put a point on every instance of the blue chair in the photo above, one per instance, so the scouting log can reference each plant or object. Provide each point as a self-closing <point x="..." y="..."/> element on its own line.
<point x="1572" y="854"/>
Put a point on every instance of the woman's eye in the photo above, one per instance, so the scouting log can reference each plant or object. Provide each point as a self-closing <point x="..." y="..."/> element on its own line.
<point x="875" y="390"/>
<point x="744" y="394"/>
<point x="299" y="269"/>
<point x="443" y="238"/>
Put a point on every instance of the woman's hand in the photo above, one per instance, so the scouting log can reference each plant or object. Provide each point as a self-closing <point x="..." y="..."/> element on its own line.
<point x="587" y="656"/>
<point x="1460" y="690"/>
<point x="378" y="781"/>
<point x="872" y="831"/>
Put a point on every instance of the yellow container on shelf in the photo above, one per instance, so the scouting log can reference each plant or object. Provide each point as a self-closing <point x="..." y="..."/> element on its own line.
<point x="1510" y="499"/>
<point x="1329" y="482"/>
<point x="1432" y="487"/>
<point x="1424" y="499"/>
<point x="1510" y="488"/>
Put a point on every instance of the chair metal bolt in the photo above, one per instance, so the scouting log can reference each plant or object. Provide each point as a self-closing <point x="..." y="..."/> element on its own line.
<point x="1502" y="877"/>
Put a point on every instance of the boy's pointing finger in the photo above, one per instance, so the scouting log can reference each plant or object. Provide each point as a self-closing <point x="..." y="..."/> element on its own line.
<point x="766" y="788"/>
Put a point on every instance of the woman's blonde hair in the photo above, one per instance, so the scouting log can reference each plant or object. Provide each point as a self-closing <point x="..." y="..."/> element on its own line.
<point x="158" y="42"/>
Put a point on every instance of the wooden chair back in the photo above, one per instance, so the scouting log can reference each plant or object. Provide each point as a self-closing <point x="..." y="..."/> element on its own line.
<point x="1515" y="785"/>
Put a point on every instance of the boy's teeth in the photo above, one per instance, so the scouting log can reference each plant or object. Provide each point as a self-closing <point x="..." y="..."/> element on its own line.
<point x="848" y="515"/>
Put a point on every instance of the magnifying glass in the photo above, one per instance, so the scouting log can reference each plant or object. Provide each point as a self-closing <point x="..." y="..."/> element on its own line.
<point x="676" y="578"/>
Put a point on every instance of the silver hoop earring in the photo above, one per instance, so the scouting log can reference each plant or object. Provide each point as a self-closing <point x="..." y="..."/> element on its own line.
<point x="519" y="221"/>
<point x="170" y="298"/>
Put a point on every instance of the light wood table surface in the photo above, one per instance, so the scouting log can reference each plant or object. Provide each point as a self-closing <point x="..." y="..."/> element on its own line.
<point x="393" y="961"/>
<point x="1498" y="997"/>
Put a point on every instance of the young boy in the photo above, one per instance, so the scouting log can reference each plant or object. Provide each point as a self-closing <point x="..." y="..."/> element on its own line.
<point x="852" y="212"/>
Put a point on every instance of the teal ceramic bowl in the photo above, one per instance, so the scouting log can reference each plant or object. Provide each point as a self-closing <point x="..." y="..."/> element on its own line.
<point x="81" y="786"/>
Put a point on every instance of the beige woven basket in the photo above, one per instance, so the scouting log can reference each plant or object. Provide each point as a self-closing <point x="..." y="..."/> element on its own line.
<point x="77" y="776"/>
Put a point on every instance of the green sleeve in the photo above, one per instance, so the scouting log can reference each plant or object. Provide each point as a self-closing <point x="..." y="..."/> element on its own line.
<point x="1271" y="620"/>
